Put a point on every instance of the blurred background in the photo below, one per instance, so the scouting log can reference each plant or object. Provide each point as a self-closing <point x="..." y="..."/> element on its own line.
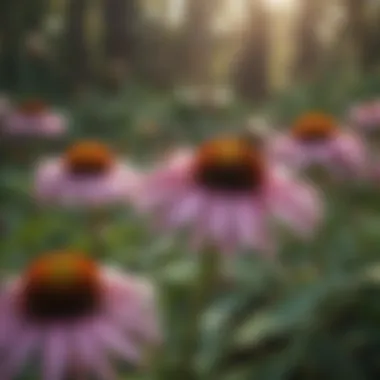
<point x="255" y="49"/>
<point x="149" y="75"/>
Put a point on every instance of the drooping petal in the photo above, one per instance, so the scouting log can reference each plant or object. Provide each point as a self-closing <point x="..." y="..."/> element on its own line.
<point x="10" y="323"/>
<point x="201" y="226"/>
<point x="89" y="356"/>
<point x="113" y="339"/>
<point x="132" y="306"/>
<point x="350" y="155"/>
<point x="53" y="125"/>
<point x="170" y="177"/>
<point x="251" y="218"/>
<point x="159" y="188"/>
<point x="220" y="225"/>
<point x="48" y="177"/>
<point x="55" y="355"/>
<point x="366" y="116"/>
<point x="295" y="202"/>
<point x="184" y="208"/>
<point x="23" y="345"/>
<point x="283" y="150"/>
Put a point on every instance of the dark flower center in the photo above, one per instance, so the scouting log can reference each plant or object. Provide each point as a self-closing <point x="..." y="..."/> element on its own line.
<point x="89" y="158"/>
<point x="314" y="128"/>
<point x="33" y="107"/>
<point x="61" y="287"/>
<point x="229" y="165"/>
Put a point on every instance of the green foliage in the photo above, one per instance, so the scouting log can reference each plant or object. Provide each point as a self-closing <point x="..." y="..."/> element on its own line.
<point x="313" y="314"/>
<point x="333" y="92"/>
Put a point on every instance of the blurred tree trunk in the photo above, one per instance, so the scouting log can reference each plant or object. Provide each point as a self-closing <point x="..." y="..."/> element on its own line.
<point x="35" y="11"/>
<point x="121" y="18"/>
<point x="373" y="59"/>
<point x="76" y="54"/>
<point x="157" y="58"/>
<point x="251" y="71"/>
<point x="196" y="42"/>
<point x="364" y="35"/>
<point x="16" y="19"/>
<point x="11" y="37"/>
<point x="36" y="65"/>
<point x="357" y="28"/>
<point x="308" y="55"/>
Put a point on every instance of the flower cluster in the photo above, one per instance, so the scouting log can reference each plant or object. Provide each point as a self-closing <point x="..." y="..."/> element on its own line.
<point x="230" y="193"/>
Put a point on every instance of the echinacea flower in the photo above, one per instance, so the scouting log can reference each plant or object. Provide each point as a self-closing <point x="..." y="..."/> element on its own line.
<point x="317" y="139"/>
<point x="366" y="119"/>
<point x="226" y="192"/>
<point x="366" y="116"/>
<point x="34" y="118"/>
<point x="75" y="315"/>
<point x="87" y="174"/>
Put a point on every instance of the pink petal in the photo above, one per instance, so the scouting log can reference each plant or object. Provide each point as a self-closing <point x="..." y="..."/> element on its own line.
<point x="184" y="208"/>
<point x="53" y="124"/>
<point x="350" y="154"/>
<point x="89" y="355"/>
<point x="18" y="354"/>
<point x="48" y="179"/>
<point x="283" y="150"/>
<point x="115" y="340"/>
<point x="201" y="227"/>
<point x="296" y="203"/>
<point x="220" y="224"/>
<point x="153" y="194"/>
<point x="163" y="183"/>
<point x="252" y="225"/>
<point x="55" y="354"/>
<point x="132" y="307"/>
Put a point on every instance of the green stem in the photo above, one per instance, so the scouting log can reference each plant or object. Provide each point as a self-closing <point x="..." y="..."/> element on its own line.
<point x="337" y="217"/>
<point x="96" y="222"/>
<point x="204" y="289"/>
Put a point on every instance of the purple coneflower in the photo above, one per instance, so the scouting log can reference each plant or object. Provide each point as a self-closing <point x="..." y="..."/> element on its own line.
<point x="74" y="315"/>
<point x="87" y="174"/>
<point x="317" y="139"/>
<point x="366" y="116"/>
<point x="366" y="119"/>
<point x="34" y="118"/>
<point x="226" y="193"/>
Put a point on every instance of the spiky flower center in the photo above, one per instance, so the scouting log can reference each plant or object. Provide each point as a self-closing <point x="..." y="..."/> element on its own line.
<point x="89" y="158"/>
<point x="61" y="286"/>
<point x="315" y="127"/>
<point x="33" y="107"/>
<point x="229" y="165"/>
